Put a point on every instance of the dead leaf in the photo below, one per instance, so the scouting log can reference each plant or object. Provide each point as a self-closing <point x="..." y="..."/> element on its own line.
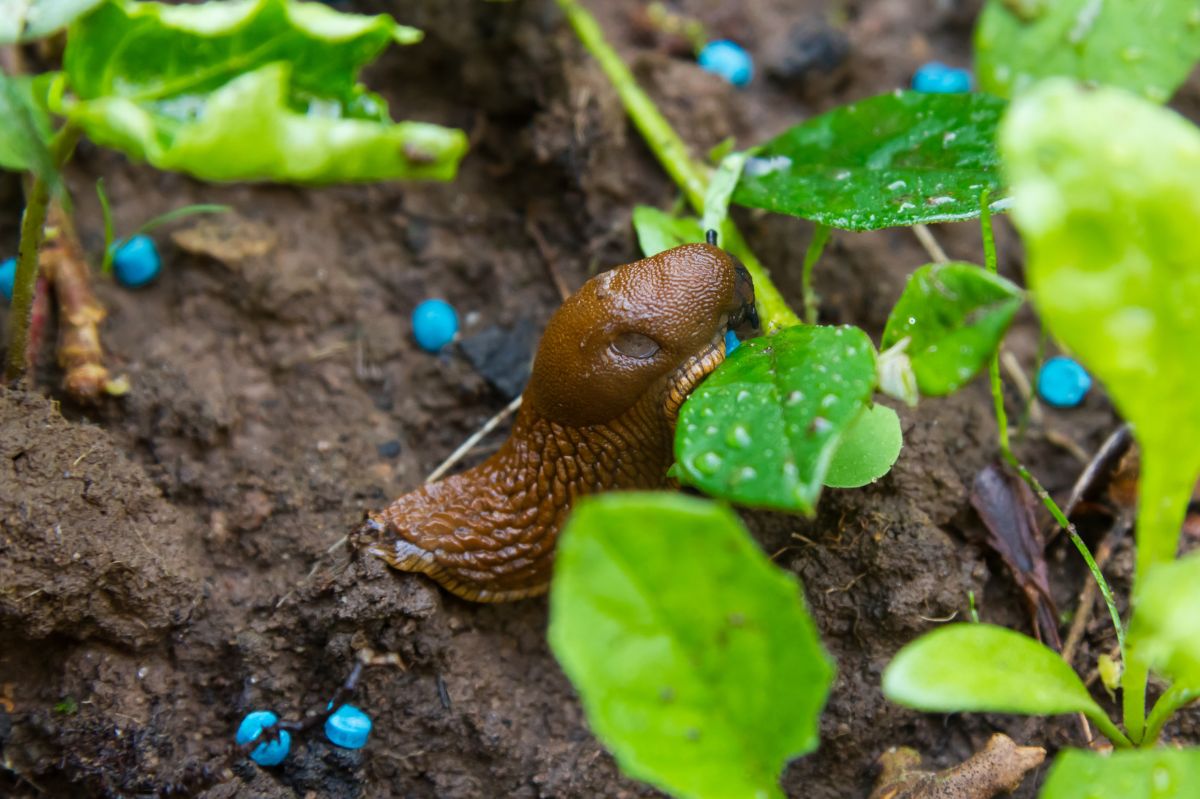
<point x="998" y="768"/>
<point x="228" y="238"/>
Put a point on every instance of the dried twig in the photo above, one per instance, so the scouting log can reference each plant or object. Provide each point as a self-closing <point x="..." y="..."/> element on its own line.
<point x="474" y="439"/>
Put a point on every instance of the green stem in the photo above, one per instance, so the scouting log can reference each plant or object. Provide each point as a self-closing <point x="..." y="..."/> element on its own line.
<point x="1133" y="698"/>
<point x="1110" y="730"/>
<point x="815" y="248"/>
<point x="1175" y="698"/>
<point x="673" y="154"/>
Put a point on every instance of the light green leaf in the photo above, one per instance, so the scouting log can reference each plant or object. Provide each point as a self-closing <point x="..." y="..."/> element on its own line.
<point x="763" y="428"/>
<point x="1109" y="213"/>
<point x="27" y="20"/>
<point x="867" y="450"/>
<point x="25" y="133"/>
<point x="1145" y="47"/>
<point x="720" y="189"/>
<point x="658" y="231"/>
<point x="1140" y="774"/>
<point x="256" y="89"/>
<point x="896" y="159"/>
<point x="988" y="669"/>
<point x="694" y="655"/>
<point x="954" y="315"/>
<point x="1164" y="632"/>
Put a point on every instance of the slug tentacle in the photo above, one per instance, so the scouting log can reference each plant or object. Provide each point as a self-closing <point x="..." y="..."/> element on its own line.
<point x="615" y="364"/>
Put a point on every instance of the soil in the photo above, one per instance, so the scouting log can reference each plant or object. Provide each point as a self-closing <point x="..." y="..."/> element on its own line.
<point x="171" y="559"/>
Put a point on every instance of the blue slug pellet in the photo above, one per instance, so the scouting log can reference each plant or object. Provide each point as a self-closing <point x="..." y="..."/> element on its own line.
<point x="270" y="753"/>
<point x="731" y="342"/>
<point x="937" y="78"/>
<point x="727" y="59"/>
<point x="348" y="727"/>
<point x="435" y="324"/>
<point x="136" y="262"/>
<point x="8" y="277"/>
<point x="1063" y="383"/>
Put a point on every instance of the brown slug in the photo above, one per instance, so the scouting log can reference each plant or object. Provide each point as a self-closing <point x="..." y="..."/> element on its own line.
<point x="614" y="365"/>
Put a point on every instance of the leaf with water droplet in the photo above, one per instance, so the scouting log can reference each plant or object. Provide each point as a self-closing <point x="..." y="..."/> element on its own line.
<point x="867" y="450"/>
<point x="1158" y="773"/>
<point x="954" y="316"/>
<point x="695" y="656"/>
<point x="778" y="409"/>
<point x="895" y="159"/>
<point x="1147" y="48"/>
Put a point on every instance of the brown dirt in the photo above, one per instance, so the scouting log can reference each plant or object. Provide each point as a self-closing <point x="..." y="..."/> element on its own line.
<point x="166" y="557"/>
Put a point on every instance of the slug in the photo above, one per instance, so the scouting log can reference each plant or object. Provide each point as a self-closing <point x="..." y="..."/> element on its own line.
<point x="614" y="365"/>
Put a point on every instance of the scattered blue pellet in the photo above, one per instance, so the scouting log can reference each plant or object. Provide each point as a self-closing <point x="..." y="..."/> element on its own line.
<point x="136" y="262"/>
<point x="348" y="727"/>
<point x="1063" y="383"/>
<point x="727" y="59"/>
<point x="731" y="342"/>
<point x="434" y="324"/>
<point x="8" y="276"/>
<point x="270" y="753"/>
<point x="937" y="78"/>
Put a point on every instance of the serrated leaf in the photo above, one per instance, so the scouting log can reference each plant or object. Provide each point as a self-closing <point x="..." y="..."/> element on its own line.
<point x="1147" y="48"/>
<point x="695" y="657"/>
<point x="867" y="450"/>
<point x="1164" y="632"/>
<point x="988" y="669"/>
<point x="260" y="89"/>
<point x="658" y="231"/>
<point x="763" y="428"/>
<point x="1138" y="774"/>
<point x="1109" y="214"/>
<point x="954" y="315"/>
<point x="25" y="133"/>
<point x="27" y="20"/>
<point x="896" y="159"/>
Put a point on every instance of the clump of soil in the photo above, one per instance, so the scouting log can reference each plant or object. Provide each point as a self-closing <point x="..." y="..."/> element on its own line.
<point x="171" y="560"/>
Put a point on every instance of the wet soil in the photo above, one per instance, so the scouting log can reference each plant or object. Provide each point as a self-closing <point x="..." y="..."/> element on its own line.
<point x="171" y="560"/>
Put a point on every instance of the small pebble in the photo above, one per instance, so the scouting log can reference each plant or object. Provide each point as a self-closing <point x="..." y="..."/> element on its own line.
<point x="388" y="449"/>
<point x="1063" y="383"/>
<point x="727" y="59"/>
<point x="348" y="727"/>
<point x="271" y="753"/>
<point x="937" y="78"/>
<point x="731" y="342"/>
<point x="8" y="277"/>
<point x="435" y="324"/>
<point x="136" y="262"/>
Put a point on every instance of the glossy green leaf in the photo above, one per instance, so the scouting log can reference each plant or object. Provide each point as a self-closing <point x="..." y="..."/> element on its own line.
<point x="989" y="669"/>
<point x="658" y="231"/>
<point x="763" y="428"/>
<point x="1146" y="47"/>
<point x="1109" y="213"/>
<point x="694" y="655"/>
<point x="867" y="450"/>
<point x="1164" y="632"/>
<point x="1137" y="774"/>
<point x="25" y="132"/>
<point x="896" y="159"/>
<point x="260" y="89"/>
<point x="954" y="316"/>
<point x="26" y="20"/>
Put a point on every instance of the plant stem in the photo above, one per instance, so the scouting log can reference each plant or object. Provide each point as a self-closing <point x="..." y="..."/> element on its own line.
<point x="1175" y="697"/>
<point x="672" y="153"/>
<point x="815" y="248"/>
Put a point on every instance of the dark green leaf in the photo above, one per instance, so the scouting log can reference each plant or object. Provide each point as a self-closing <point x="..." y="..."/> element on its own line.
<point x="896" y="159"/>
<point x="694" y="655"/>
<point x="1143" y="774"/>
<point x="954" y="316"/>
<point x="658" y="231"/>
<point x="867" y="450"/>
<point x="1164" y="632"/>
<point x="763" y="428"/>
<point x="1147" y="48"/>
<point x="25" y="132"/>
<point x="26" y="20"/>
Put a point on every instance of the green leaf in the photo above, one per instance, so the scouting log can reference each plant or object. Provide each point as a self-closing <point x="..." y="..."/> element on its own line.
<point x="1139" y="774"/>
<point x="26" y="20"/>
<point x="694" y="655"/>
<point x="1164" y="632"/>
<point x="263" y="89"/>
<point x="1145" y="47"/>
<point x="1109" y="214"/>
<point x="25" y="134"/>
<point x="763" y="428"/>
<point x="867" y="450"/>
<point x="954" y="316"/>
<point x="658" y="231"/>
<point x="896" y="159"/>
<point x="988" y="669"/>
<point x="720" y="189"/>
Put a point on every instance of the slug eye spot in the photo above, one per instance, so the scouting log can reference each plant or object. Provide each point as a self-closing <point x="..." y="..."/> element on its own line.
<point x="635" y="345"/>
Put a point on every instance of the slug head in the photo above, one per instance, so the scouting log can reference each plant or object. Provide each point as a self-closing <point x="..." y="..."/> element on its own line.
<point x="648" y="331"/>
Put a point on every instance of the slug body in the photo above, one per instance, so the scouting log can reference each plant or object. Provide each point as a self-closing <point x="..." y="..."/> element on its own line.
<point x="613" y="367"/>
